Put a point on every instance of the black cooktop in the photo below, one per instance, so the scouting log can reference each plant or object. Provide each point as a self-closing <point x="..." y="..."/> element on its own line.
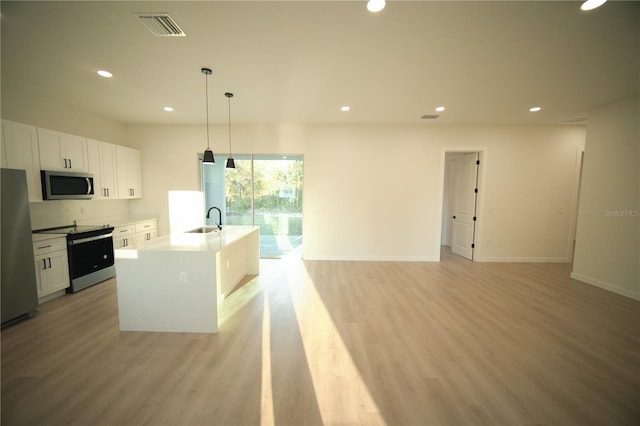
<point x="74" y="229"/>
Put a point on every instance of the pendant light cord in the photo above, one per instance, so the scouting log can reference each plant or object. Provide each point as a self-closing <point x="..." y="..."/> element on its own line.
<point x="206" y="95"/>
<point x="229" y="99"/>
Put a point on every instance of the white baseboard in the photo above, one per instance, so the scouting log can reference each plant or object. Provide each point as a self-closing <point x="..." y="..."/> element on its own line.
<point x="523" y="259"/>
<point x="375" y="258"/>
<point x="606" y="286"/>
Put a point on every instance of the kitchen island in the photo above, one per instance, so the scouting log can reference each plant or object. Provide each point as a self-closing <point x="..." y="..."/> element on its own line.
<point x="176" y="283"/>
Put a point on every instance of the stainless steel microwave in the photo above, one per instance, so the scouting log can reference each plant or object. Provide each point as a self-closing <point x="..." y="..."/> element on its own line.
<point x="66" y="185"/>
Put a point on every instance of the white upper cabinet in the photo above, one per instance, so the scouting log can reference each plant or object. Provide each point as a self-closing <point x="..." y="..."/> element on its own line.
<point x="102" y="165"/>
<point x="3" y="150"/>
<point x="129" y="169"/>
<point x="60" y="151"/>
<point x="20" y="151"/>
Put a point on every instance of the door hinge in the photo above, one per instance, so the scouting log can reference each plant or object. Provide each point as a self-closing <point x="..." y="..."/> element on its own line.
<point x="473" y="246"/>
<point x="478" y="162"/>
<point x="474" y="218"/>
<point x="475" y="190"/>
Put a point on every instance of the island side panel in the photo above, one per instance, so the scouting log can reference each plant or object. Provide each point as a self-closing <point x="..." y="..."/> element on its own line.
<point x="235" y="261"/>
<point x="252" y="253"/>
<point x="167" y="291"/>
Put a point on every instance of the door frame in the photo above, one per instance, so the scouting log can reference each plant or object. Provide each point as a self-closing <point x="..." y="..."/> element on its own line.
<point x="483" y="152"/>
<point x="574" y="218"/>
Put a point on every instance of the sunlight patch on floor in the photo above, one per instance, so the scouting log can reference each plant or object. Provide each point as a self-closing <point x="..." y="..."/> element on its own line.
<point x="266" y="399"/>
<point x="330" y="363"/>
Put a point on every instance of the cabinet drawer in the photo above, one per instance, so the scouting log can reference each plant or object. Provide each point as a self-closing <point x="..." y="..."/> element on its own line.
<point x="146" y="226"/>
<point x="48" y="246"/>
<point x="124" y="230"/>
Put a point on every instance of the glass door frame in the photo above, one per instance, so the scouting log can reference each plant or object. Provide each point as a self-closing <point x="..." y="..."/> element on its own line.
<point x="221" y="160"/>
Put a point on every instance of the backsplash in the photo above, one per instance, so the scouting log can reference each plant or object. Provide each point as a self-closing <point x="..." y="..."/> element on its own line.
<point x="48" y="214"/>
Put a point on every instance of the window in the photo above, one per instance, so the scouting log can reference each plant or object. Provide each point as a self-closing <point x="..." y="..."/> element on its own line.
<point x="265" y="191"/>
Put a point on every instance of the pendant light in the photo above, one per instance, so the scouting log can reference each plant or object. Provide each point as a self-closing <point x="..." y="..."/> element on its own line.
<point x="231" y="164"/>
<point x="208" y="154"/>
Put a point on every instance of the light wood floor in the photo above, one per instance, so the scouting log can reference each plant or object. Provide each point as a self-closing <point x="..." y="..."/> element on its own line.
<point x="399" y="343"/>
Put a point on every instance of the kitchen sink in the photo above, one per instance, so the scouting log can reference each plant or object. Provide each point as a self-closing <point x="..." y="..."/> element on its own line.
<point x="204" y="230"/>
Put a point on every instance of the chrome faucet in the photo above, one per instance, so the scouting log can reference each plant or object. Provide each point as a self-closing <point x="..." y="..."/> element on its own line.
<point x="219" y="216"/>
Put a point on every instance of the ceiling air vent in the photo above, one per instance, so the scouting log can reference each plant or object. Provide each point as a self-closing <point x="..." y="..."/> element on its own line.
<point x="161" y="24"/>
<point x="430" y="116"/>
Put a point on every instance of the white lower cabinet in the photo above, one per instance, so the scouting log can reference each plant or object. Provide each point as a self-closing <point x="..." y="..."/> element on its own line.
<point x="124" y="236"/>
<point x="146" y="232"/>
<point x="52" y="267"/>
<point x="135" y="234"/>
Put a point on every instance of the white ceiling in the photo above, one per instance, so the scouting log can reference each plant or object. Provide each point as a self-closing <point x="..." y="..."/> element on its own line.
<point x="300" y="61"/>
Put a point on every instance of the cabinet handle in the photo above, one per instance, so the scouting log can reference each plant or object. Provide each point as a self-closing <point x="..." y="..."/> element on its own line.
<point x="44" y="263"/>
<point x="108" y="192"/>
<point x="70" y="166"/>
<point x="49" y="261"/>
<point x="44" y="247"/>
<point x="65" y="163"/>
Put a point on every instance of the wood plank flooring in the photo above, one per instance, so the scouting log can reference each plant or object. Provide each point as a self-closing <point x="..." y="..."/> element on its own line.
<point x="323" y="342"/>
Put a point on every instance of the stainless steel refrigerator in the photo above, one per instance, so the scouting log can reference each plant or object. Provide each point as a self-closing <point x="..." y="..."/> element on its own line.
<point x="19" y="292"/>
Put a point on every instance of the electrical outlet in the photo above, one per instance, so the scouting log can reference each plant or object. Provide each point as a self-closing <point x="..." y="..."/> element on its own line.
<point x="183" y="278"/>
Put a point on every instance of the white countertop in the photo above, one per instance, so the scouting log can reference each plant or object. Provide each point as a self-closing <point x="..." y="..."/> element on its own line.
<point x="41" y="237"/>
<point x="212" y="241"/>
<point x="116" y="221"/>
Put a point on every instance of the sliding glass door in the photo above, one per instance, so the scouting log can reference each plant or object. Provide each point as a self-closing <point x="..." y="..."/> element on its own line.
<point x="265" y="191"/>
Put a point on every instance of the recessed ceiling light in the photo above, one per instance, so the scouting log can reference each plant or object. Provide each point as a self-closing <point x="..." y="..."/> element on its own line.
<point x="535" y="109"/>
<point x="592" y="4"/>
<point x="345" y="108"/>
<point x="375" y="5"/>
<point x="104" y="73"/>
<point x="168" y="109"/>
<point x="440" y="108"/>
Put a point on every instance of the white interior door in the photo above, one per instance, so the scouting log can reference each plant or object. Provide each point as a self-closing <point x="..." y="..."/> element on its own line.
<point x="464" y="180"/>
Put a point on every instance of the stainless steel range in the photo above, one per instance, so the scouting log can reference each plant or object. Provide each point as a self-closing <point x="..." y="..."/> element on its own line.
<point x="90" y="253"/>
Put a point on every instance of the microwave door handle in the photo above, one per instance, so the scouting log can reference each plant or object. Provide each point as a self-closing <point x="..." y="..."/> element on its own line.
<point x="88" y="186"/>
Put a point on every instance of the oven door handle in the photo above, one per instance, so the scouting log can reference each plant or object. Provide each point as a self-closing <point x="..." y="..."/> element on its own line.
<point x="86" y="240"/>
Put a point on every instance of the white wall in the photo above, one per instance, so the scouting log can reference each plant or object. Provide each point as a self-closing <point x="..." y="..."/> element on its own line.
<point x="48" y="214"/>
<point x="608" y="235"/>
<point x="371" y="192"/>
<point x="24" y="106"/>
<point x="375" y="192"/>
